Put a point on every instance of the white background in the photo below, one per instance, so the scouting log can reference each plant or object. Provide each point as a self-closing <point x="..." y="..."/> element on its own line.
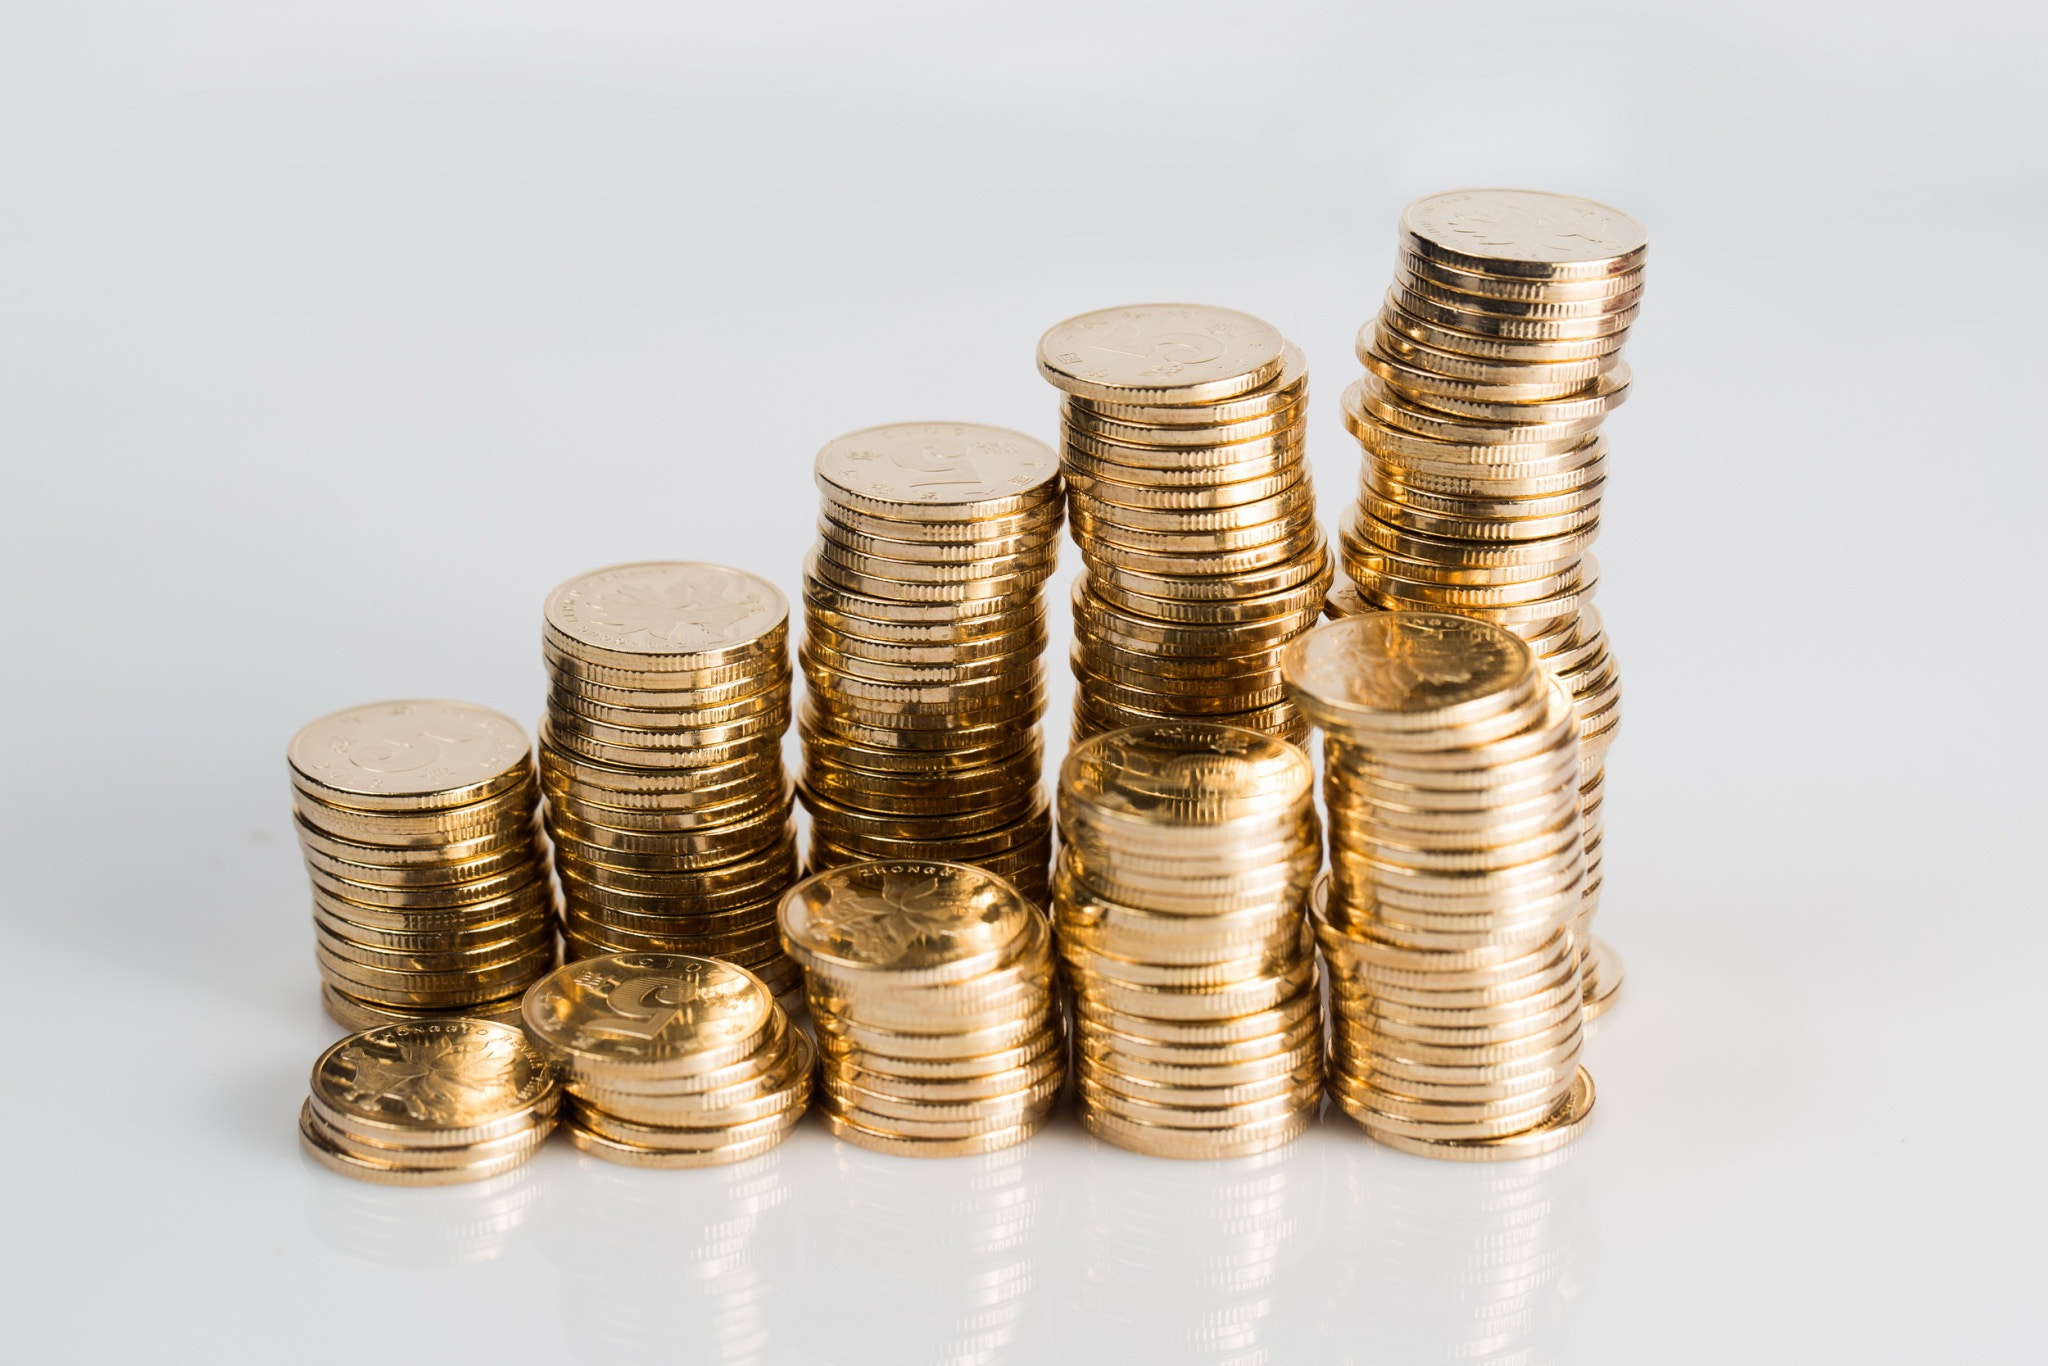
<point x="332" y="336"/>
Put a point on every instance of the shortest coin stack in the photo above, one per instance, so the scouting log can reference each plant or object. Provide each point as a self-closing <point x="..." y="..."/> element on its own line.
<point x="430" y="888"/>
<point x="671" y="1060"/>
<point x="1186" y="854"/>
<point x="932" y="987"/>
<point x="429" y="1103"/>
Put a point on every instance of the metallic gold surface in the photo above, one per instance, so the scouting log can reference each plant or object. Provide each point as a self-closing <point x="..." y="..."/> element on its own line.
<point x="933" y="991"/>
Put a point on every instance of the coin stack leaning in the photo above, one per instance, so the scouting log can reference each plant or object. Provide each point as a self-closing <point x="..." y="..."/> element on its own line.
<point x="1488" y="374"/>
<point x="671" y="1060"/>
<point x="924" y="624"/>
<point x="430" y="890"/>
<point x="1187" y="851"/>
<point x="1451" y="783"/>
<point x="1189" y="497"/>
<point x="931" y="984"/>
<point x="661" y="757"/>
<point x="429" y="1102"/>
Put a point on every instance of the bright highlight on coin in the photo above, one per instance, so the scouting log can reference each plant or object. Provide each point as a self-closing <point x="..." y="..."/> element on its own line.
<point x="932" y="988"/>
<point x="923" y="627"/>
<point x="1489" y="371"/>
<point x="661" y="757"/>
<point x="1192" y="508"/>
<point x="430" y="892"/>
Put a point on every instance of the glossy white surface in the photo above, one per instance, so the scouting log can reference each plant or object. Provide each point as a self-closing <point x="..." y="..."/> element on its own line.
<point x="332" y="337"/>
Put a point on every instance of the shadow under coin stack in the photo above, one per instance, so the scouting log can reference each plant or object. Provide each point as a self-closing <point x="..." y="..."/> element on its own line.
<point x="924" y="625"/>
<point x="1187" y="851"/>
<point x="1451" y="781"/>
<point x="429" y="1103"/>
<point x="1190" y="500"/>
<point x="430" y="890"/>
<point x="661" y="756"/>
<point x="1488" y="374"/>
<point x="932" y="988"/>
<point x="671" y="1060"/>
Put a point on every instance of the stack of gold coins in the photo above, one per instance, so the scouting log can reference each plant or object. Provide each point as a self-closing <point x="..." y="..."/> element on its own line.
<point x="429" y="1102"/>
<point x="671" y="1060"/>
<point x="932" y="988"/>
<point x="923" y="631"/>
<point x="430" y="891"/>
<point x="1488" y="374"/>
<point x="1187" y="851"/>
<point x="1190" y="501"/>
<point x="1451" y="780"/>
<point x="661" y="757"/>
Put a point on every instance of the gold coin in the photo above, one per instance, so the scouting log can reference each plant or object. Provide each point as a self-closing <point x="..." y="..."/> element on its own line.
<point x="433" y="1082"/>
<point x="841" y="1036"/>
<point x="353" y="1013"/>
<point x="1523" y="234"/>
<point x="889" y="1110"/>
<point x="1161" y="353"/>
<point x="904" y="920"/>
<point x="1200" y="1144"/>
<point x="937" y="471"/>
<point x="965" y="1069"/>
<point x="675" y="1138"/>
<point x="1039" y="519"/>
<point x="935" y="1128"/>
<point x="633" y="1155"/>
<point x="410" y="756"/>
<point x="1284" y="392"/>
<point x="1407" y="672"/>
<point x="900" y="1145"/>
<point x="334" y="1159"/>
<point x="1413" y="284"/>
<point x="498" y="864"/>
<point x="642" y="1013"/>
<point x="426" y="1157"/>
<point x="1142" y="1059"/>
<point x="1102" y="1078"/>
<point x="659" y="616"/>
<point x="1303" y="1096"/>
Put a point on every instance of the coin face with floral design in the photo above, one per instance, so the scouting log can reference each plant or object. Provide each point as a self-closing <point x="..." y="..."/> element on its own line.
<point x="433" y="1075"/>
<point x="904" y="916"/>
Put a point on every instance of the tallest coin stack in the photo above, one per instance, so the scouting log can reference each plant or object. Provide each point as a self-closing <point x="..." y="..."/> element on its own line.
<point x="1488" y="374"/>
<point x="1190" y="501"/>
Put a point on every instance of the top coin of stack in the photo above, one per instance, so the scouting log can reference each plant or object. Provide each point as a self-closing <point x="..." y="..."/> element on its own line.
<point x="430" y="891"/>
<point x="671" y="1060"/>
<point x="923" y="631"/>
<point x="1488" y="374"/>
<point x="429" y="1103"/>
<point x="661" y="757"/>
<point x="1186" y="854"/>
<point x="1190" y="501"/>
<point x="1451" y="780"/>
<point x="931" y="985"/>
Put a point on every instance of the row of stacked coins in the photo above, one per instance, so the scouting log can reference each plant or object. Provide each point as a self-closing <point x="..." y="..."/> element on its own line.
<point x="1488" y="373"/>
<point x="1189" y="497"/>
<point x="1187" y="851"/>
<point x="671" y="1060"/>
<point x="923" y="631"/>
<point x="932" y="988"/>
<point x="1451" y="781"/>
<point x="661" y="757"/>
<point x="429" y="1102"/>
<point x="430" y="892"/>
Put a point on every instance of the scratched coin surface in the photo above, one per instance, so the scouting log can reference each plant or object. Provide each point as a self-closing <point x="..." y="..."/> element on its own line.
<point x="904" y="916"/>
<point x="1527" y="226"/>
<point x="433" y="1075"/>
<point x="944" y="463"/>
<point x="1196" y="352"/>
<point x="414" y="748"/>
<point x="650" y="1009"/>
<point x="1186" y="773"/>
<point x="666" y="607"/>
